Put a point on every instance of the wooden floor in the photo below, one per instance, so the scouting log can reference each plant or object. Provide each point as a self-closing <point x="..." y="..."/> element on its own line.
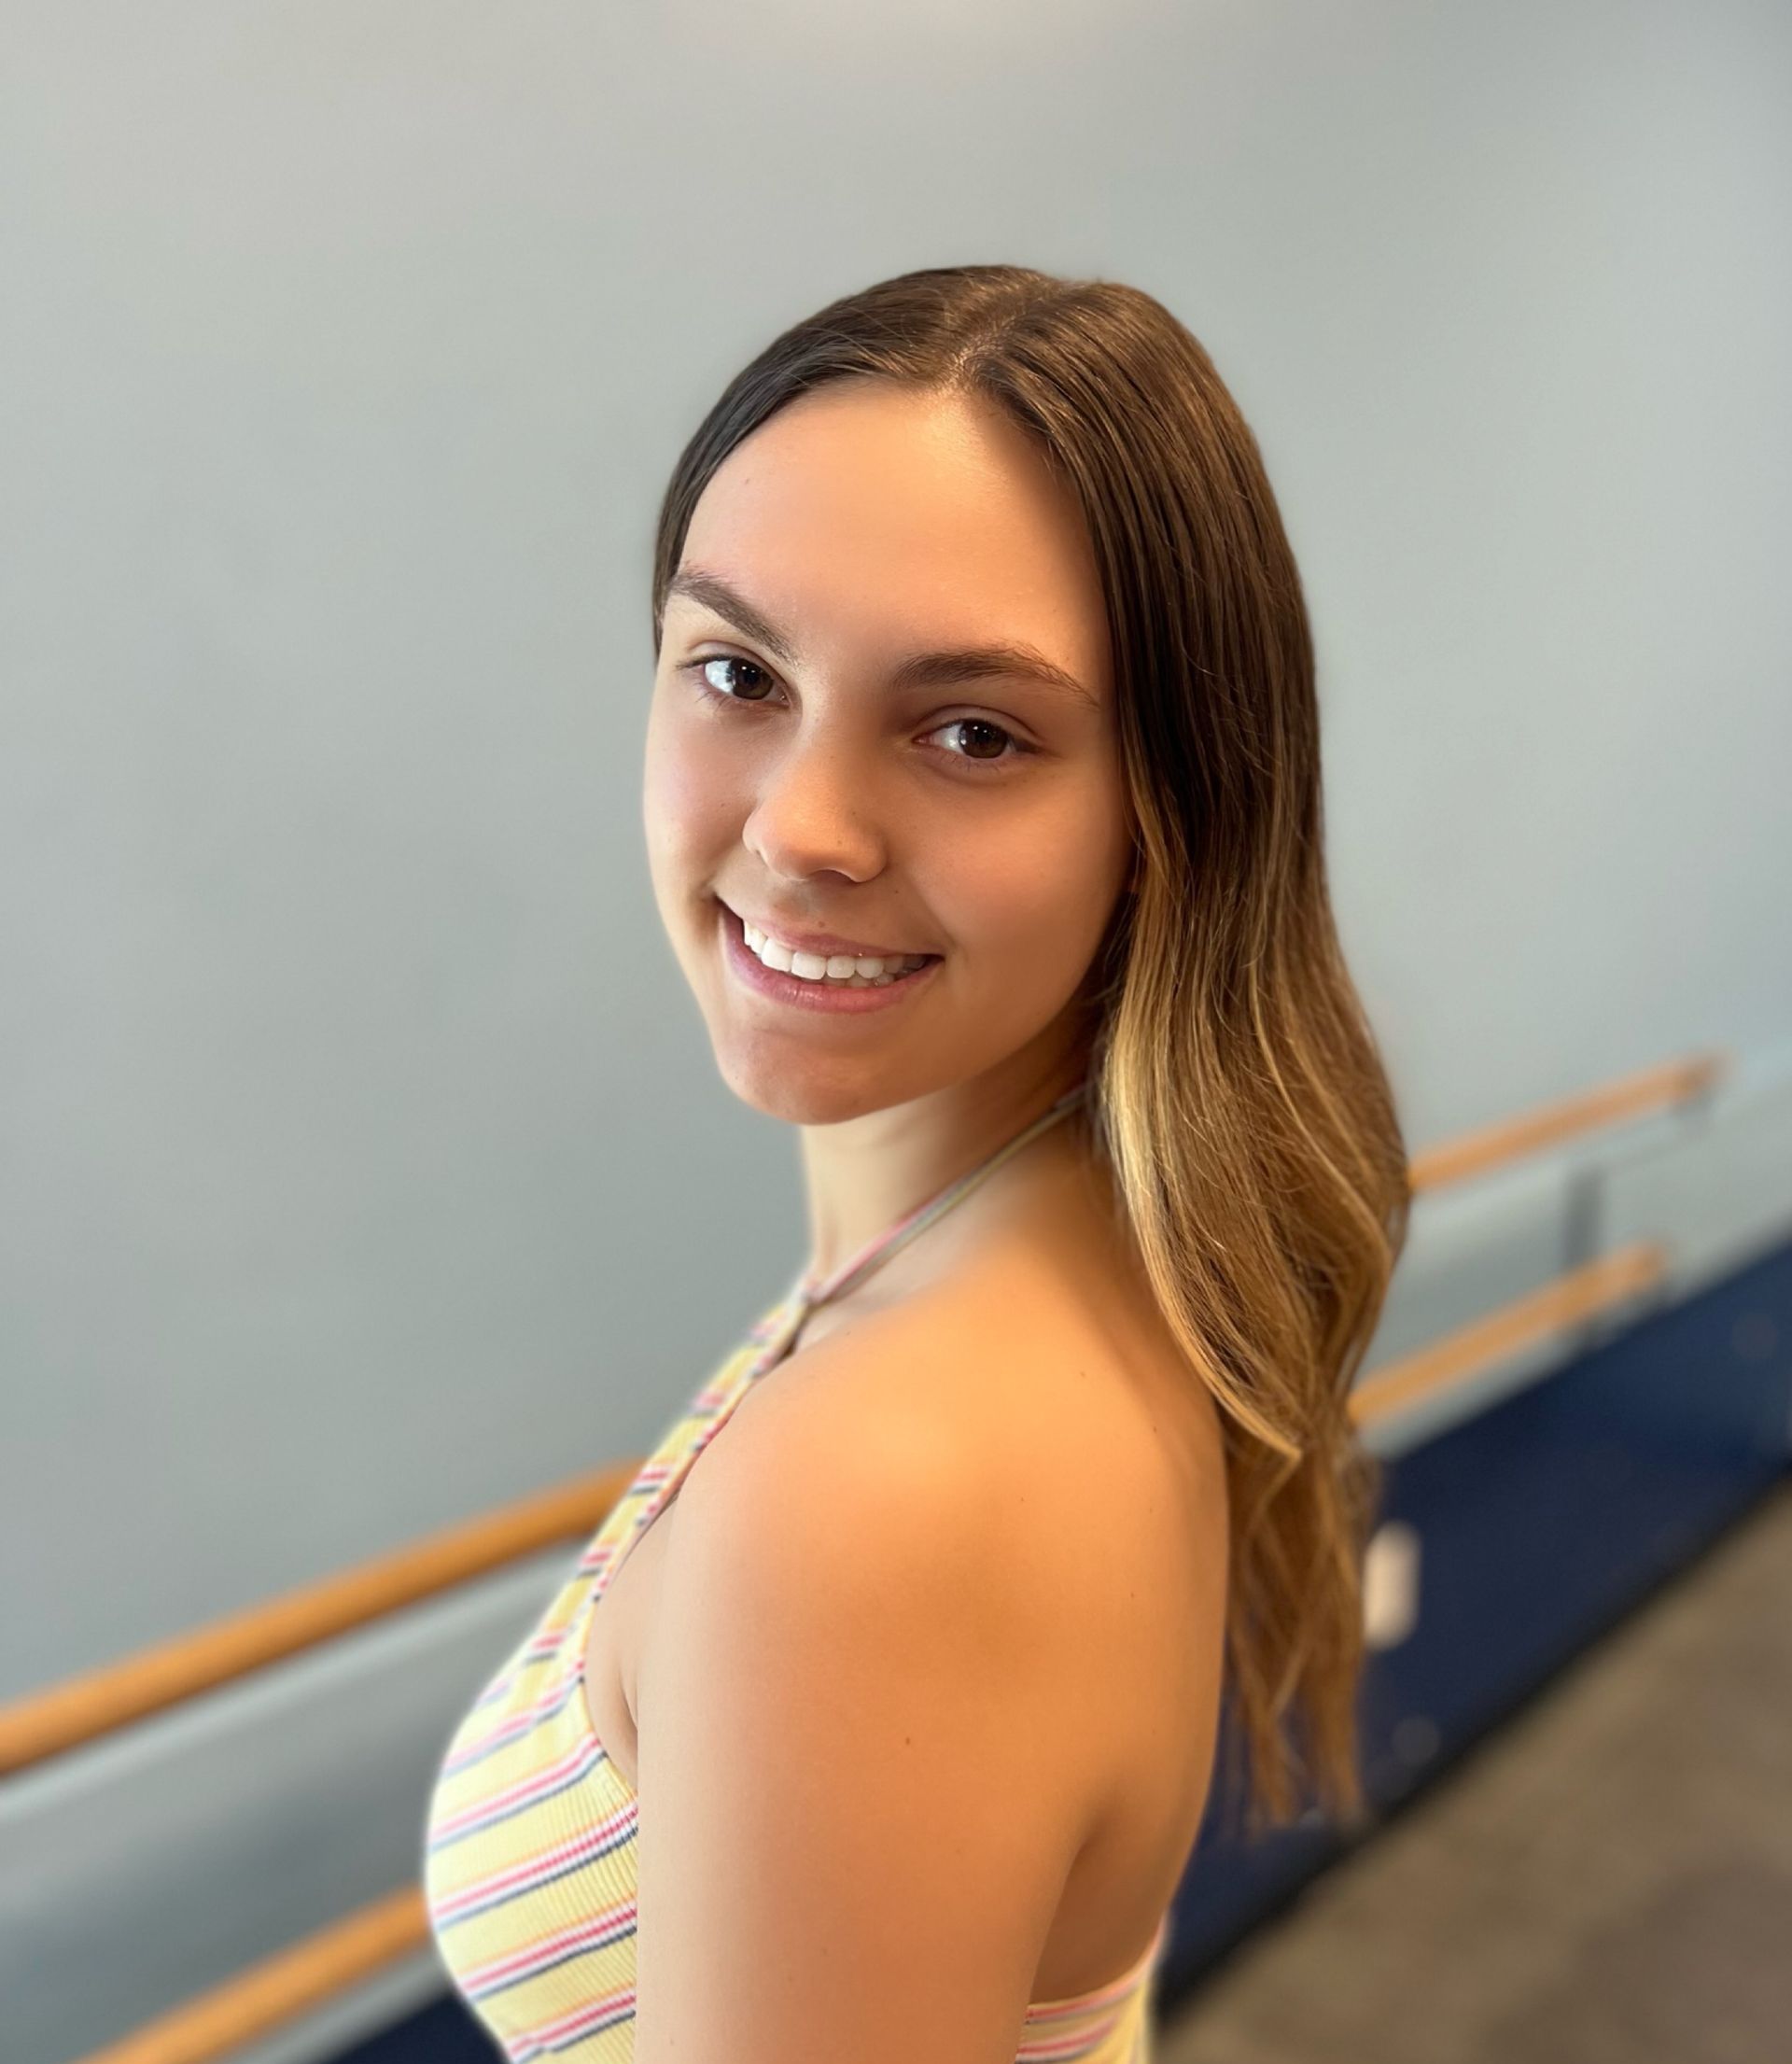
<point x="1608" y="1880"/>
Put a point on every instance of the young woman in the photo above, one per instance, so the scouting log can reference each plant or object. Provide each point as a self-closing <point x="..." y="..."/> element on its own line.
<point x="983" y="810"/>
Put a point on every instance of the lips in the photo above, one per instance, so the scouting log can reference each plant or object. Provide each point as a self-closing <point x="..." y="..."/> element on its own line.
<point x="807" y="999"/>
<point x="825" y="944"/>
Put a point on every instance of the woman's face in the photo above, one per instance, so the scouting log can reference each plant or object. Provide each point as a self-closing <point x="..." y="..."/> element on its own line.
<point x="803" y="770"/>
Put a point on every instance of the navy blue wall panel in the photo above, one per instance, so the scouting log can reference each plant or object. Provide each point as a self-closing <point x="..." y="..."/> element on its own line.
<point x="1541" y="1520"/>
<point x="442" y="2033"/>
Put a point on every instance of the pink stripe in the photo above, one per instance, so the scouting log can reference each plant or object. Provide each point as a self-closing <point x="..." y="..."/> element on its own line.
<point x="1050" y="2011"/>
<point x="617" y="2003"/>
<point x="1056" y="2049"/>
<point x="515" y="1727"/>
<point x="610" y="1921"/>
<point x="590" y="1841"/>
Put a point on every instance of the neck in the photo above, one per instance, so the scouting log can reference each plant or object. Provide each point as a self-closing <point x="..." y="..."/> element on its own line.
<point x="865" y="1175"/>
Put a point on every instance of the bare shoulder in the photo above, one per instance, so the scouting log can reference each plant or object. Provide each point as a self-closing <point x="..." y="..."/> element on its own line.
<point x="866" y="1461"/>
<point x="995" y="1411"/>
<point x="1021" y="1459"/>
<point x="1090" y="1422"/>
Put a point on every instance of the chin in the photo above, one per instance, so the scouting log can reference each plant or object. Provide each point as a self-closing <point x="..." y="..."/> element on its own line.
<point x="819" y="1094"/>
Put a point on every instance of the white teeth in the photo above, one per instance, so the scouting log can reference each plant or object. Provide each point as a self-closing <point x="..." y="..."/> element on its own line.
<point x="844" y="968"/>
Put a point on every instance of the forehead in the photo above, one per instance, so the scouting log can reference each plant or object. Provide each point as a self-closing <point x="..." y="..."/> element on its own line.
<point x="869" y="513"/>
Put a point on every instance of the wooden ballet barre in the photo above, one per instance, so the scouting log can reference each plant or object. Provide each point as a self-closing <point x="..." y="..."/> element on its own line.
<point x="1567" y="1300"/>
<point x="1636" y="1096"/>
<point x="46" y="1723"/>
<point x="278" y="1989"/>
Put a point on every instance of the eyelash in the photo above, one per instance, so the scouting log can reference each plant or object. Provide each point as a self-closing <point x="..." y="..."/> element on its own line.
<point x="996" y="767"/>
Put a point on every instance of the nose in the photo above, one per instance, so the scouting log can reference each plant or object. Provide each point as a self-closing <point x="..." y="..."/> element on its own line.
<point x="817" y="809"/>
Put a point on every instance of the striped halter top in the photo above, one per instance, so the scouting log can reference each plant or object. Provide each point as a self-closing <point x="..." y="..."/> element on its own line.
<point x="529" y="1841"/>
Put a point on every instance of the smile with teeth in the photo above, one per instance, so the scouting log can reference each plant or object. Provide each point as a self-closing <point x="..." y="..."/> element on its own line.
<point x="837" y="970"/>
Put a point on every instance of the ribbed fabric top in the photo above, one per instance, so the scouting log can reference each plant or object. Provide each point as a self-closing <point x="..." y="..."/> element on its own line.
<point x="529" y="1845"/>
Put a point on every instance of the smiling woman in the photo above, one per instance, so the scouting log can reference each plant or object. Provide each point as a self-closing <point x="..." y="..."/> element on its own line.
<point x="982" y="809"/>
<point x="884" y="708"/>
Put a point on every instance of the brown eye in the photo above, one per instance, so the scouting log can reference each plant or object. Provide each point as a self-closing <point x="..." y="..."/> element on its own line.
<point x="728" y="659"/>
<point x="989" y="731"/>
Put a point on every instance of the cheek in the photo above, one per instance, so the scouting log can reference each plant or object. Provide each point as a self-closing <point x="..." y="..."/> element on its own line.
<point x="684" y="806"/>
<point x="1045" y="882"/>
<point x="1027" y="907"/>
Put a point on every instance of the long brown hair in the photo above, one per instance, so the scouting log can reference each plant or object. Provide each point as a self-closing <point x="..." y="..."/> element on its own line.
<point x="1236" y="1088"/>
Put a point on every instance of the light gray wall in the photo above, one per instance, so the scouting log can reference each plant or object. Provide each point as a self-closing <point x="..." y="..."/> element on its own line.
<point x="362" y="1161"/>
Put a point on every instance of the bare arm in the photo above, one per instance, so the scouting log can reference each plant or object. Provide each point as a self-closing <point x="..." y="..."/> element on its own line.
<point x="857" y="1816"/>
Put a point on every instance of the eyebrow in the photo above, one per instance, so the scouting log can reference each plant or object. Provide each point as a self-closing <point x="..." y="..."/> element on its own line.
<point x="1006" y="657"/>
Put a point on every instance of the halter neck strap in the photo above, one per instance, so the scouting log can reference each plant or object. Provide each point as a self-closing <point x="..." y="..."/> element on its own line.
<point x="811" y="1290"/>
